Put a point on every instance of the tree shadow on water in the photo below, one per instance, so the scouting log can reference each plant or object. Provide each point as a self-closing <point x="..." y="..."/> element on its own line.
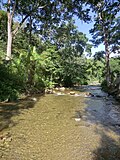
<point x="9" y="110"/>
<point x="109" y="149"/>
<point x="107" y="128"/>
<point x="102" y="115"/>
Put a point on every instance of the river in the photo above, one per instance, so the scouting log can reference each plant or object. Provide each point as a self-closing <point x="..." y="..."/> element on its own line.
<point x="62" y="127"/>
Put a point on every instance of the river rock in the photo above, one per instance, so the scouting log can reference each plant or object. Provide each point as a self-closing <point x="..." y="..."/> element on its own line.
<point x="77" y="119"/>
<point x="33" y="99"/>
<point x="118" y="96"/>
<point x="57" y="89"/>
<point x="89" y="94"/>
<point x="60" y="94"/>
<point x="49" y="91"/>
<point x="62" y="89"/>
<point x="72" y="93"/>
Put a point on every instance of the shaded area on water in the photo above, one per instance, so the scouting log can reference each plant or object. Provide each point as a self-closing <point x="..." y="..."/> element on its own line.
<point x="11" y="109"/>
<point x="109" y="148"/>
<point x="65" y="127"/>
<point x="105" y="112"/>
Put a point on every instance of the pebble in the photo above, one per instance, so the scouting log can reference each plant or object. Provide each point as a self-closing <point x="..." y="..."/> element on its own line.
<point x="34" y="99"/>
<point x="72" y="93"/>
<point x="77" y="119"/>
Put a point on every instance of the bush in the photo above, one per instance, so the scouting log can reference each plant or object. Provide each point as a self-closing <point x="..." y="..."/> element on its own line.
<point x="104" y="85"/>
<point x="9" y="84"/>
<point x="85" y="83"/>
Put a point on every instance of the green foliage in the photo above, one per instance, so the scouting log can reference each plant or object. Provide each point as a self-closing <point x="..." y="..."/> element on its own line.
<point x="46" y="53"/>
<point x="115" y="72"/>
<point x="104" y="85"/>
<point x="74" y="71"/>
<point x="10" y="84"/>
<point x="42" y="64"/>
<point x="106" y="30"/>
<point x="106" y="24"/>
<point x="115" y="68"/>
<point x="96" y="68"/>
<point x="115" y="65"/>
<point x="50" y="67"/>
<point x="3" y="33"/>
<point x="3" y="25"/>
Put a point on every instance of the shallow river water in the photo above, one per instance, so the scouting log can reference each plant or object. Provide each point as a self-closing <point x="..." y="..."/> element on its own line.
<point x="62" y="127"/>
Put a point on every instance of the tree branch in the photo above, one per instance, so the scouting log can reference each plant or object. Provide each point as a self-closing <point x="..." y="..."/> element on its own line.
<point x="23" y="20"/>
<point x="19" y="25"/>
<point x="13" y="10"/>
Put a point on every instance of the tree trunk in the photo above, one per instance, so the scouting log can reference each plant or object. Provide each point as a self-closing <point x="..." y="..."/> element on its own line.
<point x="107" y="58"/>
<point x="107" y="52"/>
<point x="9" y="41"/>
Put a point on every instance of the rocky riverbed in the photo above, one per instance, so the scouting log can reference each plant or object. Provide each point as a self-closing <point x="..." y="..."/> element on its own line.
<point x="61" y="127"/>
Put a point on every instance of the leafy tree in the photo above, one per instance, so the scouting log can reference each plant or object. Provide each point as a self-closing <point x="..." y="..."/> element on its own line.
<point x="3" y="25"/>
<point x="71" y="45"/>
<point x="38" y="14"/>
<point x="11" y="83"/>
<point x="50" y="66"/>
<point x="95" y="68"/>
<point x="103" y="29"/>
<point x="3" y="32"/>
<point x="48" y="49"/>
<point x="115" y="67"/>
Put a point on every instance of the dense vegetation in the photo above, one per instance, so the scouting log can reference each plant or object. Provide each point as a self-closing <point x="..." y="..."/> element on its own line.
<point x="45" y="49"/>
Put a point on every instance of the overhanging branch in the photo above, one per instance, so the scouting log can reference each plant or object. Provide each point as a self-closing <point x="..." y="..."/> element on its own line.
<point x="23" y="20"/>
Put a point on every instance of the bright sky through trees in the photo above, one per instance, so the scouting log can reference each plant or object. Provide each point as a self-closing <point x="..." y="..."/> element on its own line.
<point x="85" y="27"/>
<point x="82" y="27"/>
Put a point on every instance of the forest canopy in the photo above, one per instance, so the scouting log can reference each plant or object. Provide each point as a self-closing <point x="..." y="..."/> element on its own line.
<point x="40" y="46"/>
